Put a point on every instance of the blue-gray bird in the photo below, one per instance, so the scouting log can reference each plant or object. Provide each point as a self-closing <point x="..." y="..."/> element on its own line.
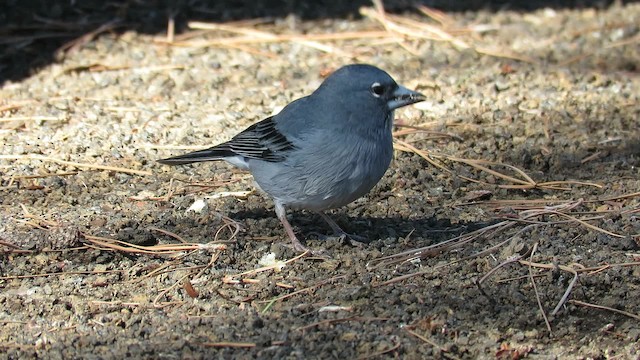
<point x="321" y="151"/>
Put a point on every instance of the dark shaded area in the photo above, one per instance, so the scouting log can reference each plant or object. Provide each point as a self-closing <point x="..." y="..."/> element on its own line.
<point x="38" y="32"/>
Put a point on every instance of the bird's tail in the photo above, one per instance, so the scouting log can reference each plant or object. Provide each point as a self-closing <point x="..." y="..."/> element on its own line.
<point x="210" y="154"/>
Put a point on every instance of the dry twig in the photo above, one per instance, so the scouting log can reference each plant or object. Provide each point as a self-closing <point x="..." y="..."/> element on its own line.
<point x="535" y="290"/>
<point x="521" y="181"/>
<point x="75" y="164"/>
<point x="601" y="307"/>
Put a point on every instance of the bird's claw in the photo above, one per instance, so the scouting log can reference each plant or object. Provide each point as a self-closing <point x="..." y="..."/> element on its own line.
<point x="299" y="247"/>
<point x="344" y="238"/>
<point x="353" y="240"/>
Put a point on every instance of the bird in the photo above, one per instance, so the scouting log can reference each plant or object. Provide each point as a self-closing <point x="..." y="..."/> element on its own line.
<point x="321" y="151"/>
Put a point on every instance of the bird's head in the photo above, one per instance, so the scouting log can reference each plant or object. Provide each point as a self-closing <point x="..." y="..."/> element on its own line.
<point x="365" y="88"/>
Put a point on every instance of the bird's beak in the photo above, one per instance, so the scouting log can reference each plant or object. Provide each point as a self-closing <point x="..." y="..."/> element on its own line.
<point x="403" y="97"/>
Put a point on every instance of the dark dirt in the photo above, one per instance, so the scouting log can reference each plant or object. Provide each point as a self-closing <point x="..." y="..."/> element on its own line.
<point x="570" y="112"/>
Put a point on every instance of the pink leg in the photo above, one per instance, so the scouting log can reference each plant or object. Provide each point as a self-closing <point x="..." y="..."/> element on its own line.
<point x="282" y="216"/>
<point x="334" y="226"/>
<point x="353" y="239"/>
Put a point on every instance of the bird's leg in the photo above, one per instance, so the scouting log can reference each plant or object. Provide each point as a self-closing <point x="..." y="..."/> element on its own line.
<point x="355" y="240"/>
<point x="282" y="216"/>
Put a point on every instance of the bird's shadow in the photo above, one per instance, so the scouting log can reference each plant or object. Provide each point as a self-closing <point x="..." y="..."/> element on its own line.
<point x="423" y="230"/>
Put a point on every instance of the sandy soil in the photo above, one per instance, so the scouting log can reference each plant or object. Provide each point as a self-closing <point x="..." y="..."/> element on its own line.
<point x="543" y="273"/>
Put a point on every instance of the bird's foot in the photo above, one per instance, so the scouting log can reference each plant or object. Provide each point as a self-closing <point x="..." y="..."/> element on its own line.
<point x="354" y="240"/>
<point x="344" y="238"/>
<point x="296" y="245"/>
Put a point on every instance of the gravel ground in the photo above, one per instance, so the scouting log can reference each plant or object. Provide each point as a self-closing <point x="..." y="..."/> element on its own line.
<point x="553" y="92"/>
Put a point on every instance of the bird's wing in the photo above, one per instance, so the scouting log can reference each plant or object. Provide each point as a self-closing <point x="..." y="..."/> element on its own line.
<point x="261" y="141"/>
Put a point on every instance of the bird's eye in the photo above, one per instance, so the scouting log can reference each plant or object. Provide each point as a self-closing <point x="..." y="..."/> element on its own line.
<point x="377" y="90"/>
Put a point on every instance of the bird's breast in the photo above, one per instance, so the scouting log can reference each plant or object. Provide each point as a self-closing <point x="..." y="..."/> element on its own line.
<point x="327" y="172"/>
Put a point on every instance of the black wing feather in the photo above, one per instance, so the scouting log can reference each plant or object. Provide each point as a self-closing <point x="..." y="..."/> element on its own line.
<point x="261" y="141"/>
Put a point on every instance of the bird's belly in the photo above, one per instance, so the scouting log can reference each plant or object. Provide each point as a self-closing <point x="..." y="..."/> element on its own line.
<point x="325" y="181"/>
